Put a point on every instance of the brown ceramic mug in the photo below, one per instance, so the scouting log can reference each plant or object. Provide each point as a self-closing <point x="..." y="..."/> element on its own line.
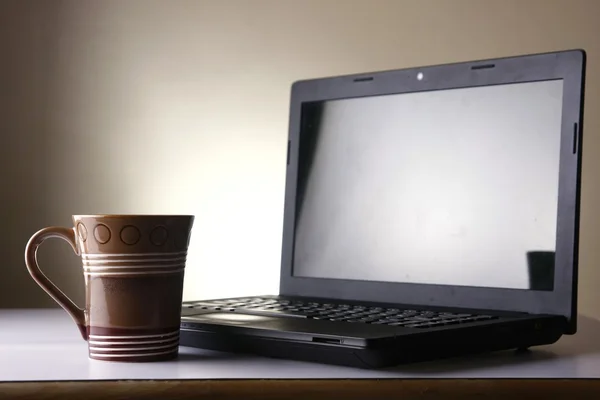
<point x="134" y="268"/>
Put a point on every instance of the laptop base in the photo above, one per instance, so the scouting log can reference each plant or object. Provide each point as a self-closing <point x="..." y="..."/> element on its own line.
<point x="408" y="347"/>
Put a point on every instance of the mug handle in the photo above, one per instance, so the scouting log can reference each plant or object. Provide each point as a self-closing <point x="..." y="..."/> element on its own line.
<point x="67" y="234"/>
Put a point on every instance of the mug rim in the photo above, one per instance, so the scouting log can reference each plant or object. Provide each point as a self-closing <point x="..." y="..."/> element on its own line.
<point x="132" y="215"/>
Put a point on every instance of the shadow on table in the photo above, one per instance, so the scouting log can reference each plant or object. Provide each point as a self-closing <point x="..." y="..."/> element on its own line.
<point x="475" y="362"/>
<point x="193" y="355"/>
<point x="584" y="342"/>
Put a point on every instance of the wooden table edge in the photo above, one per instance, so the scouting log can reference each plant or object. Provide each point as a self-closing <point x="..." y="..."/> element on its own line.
<point x="303" y="388"/>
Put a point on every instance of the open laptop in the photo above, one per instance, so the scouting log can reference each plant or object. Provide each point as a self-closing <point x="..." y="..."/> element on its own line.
<point x="429" y="212"/>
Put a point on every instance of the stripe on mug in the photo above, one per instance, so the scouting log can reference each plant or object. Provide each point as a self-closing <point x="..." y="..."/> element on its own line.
<point x="133" y="260"/>
<point x="158" y="353"/>
<point x="129" y="349"/>
<point x="158" y="335"/>
<point x="128" y="342"/>
<point x="102" y="267"/>
<point x="100" y="255"/>
<point x="163" y="272"/>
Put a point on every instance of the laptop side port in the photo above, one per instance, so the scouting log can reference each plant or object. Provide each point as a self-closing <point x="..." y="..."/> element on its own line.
<point x="326" y="340"/>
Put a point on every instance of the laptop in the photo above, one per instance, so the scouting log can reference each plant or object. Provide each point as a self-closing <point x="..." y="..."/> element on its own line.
<point x="429" y="212"/>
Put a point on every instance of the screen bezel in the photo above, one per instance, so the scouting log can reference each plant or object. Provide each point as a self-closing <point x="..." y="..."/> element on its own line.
<point x="566" y="65"/>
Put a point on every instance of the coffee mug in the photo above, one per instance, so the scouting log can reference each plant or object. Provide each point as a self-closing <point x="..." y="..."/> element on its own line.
<point x="133" y="267"/>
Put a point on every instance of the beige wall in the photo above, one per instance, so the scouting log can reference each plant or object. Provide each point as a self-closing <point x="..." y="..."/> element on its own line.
<point x="181" y="106"/>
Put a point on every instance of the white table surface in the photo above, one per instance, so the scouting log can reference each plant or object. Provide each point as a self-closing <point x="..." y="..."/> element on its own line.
<point x="45" y="345"/>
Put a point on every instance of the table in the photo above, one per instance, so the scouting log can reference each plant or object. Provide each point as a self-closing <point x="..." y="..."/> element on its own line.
<point x="44" y="349"/>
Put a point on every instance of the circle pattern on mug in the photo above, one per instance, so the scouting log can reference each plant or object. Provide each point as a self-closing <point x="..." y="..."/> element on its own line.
<point x="82" y="231"/>
<point x="102" y="233"/>
<point x="130" y="234"/>
<point x="159" y="236"/>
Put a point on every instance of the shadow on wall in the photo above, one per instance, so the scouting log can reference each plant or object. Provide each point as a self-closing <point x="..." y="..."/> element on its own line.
<point x="29" y="35"/>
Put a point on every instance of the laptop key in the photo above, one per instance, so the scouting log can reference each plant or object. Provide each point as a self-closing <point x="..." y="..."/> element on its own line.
<point x="398" y="324"/>
<point x="417" y="318"/>
<point x="483" y="317"/>
<point x="451" y="321"/>
<point x="368" y="319"/>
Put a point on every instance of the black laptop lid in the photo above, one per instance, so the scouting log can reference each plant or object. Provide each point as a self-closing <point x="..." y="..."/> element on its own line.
<point x="453" y="185"/>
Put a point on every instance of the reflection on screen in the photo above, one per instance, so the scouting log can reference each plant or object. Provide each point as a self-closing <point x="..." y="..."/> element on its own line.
<point x="454" y="187"/>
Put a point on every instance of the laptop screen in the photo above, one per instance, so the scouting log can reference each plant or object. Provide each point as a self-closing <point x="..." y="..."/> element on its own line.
<point x="449" y="187"/>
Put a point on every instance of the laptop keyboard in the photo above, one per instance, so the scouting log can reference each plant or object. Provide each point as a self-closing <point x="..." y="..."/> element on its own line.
<point x="339" y="312"/>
